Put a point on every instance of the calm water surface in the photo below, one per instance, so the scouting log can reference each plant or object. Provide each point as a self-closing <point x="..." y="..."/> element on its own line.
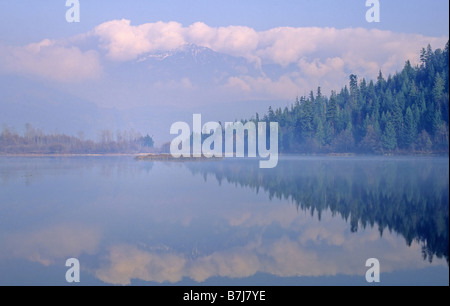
<point x="310" y="221"/>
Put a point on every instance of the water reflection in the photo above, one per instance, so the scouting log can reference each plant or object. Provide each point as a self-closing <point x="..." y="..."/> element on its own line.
<point x="408" y="196"/>
<point x="51" y="244"/>
<point x="33" y="169"/>
<point x="169" y="223"/>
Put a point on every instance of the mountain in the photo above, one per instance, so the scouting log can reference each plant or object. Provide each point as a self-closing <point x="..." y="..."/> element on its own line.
<point x="407" y="112"/>
<point x="200" y="65"/>
<point x="146" y="95"/>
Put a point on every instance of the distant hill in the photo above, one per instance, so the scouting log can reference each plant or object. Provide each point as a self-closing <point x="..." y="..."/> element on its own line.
<point x="52" y="108"/>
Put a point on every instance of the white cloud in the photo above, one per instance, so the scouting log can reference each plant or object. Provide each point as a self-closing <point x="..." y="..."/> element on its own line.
<point x="125" y="42"/>
<point x="286" y="45"/>
<point x="49" y="60"/>
<point x="319" y="69"/>
<point x="283" y="46"/>
<point x="232" y="40"/>
<point x="323" y="56"/>
<point x="306" y="57"/>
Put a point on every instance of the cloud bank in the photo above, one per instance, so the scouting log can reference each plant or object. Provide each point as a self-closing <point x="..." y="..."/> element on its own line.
<point x="308" y="57"/>
<point x="284" y="45"/>
<point x="305" y="57"/>
<point x="49" y="59"/>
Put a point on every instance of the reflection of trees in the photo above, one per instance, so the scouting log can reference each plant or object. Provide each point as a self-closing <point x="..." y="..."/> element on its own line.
<point x="407" y="196"/>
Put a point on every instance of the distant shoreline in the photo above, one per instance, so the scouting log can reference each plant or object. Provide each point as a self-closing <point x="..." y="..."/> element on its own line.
<point x="70" y="155"/>
<point x="169" y="157"/>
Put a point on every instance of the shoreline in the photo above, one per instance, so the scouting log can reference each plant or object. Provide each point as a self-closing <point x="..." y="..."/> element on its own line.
<point x="169" y="157"/>
<point x="70" y="155"/>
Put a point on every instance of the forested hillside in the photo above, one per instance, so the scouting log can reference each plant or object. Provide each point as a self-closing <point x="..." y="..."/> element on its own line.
<point x="406" y="112"/>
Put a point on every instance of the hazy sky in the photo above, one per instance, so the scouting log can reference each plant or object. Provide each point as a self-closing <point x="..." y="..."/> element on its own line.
<point x="290" y="47"/>
<point x="23" y="21"/>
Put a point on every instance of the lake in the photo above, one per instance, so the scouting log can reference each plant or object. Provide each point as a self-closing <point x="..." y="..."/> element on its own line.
<point x="309" y="221"/>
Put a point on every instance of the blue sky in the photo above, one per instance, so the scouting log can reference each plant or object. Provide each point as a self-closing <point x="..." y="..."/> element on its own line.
<point x="23" y="21"/>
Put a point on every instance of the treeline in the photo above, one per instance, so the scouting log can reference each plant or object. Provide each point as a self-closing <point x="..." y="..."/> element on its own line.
<point x="35" y="141"/>
<point x="407" y="112"/>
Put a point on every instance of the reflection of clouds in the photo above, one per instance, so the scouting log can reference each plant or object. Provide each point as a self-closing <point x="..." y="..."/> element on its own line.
<point x="317" y="249"/>
<point x="287" y="258"/>
<point x="128" y="262"/>
<point x="238" y="263"/>
<point x="49" y="244"/>
<point x="260" y="236"/>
